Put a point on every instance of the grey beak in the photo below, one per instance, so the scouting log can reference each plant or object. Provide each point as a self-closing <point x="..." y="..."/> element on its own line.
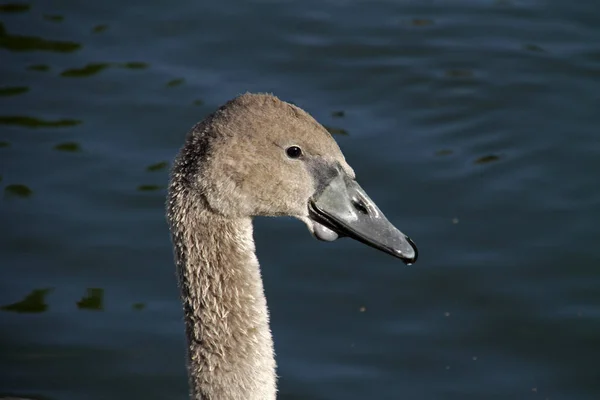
<point x="344" y="207"/>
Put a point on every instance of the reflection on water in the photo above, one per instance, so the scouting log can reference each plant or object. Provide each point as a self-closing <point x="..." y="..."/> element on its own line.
<point x="459" y="73"/>
<point x="88" y="70"/>
<point x="534" y="47"/>
<point x="14" y="7"/>
<point x="335" y="130"/>
<point x="95" y="68"/>
<point x="32" y="122"/>
<point x="149" y="188"/>
<point x="487" y="159"/>
<point x="34" y="302"/>
<point x="34" y="43"/>
<point x="133" y="65"/>
<point x="68" y="147"/>
<point x="420" y="22"/>
<point x="176" y="82"/>
<point x="53" y="18"/>
<point x="18" y="190"/>
<point x="39" y="67"/>
<point x="13" y="90"/>
<point x="158" y="166"/>
<point x="93" y="300"/>
<point x="444" y="152"/>
<point x="468" y="122"/>
<point x="99" y="28"/>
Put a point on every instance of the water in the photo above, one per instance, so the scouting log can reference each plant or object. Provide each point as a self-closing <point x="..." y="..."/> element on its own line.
<point x="472" y="124"/>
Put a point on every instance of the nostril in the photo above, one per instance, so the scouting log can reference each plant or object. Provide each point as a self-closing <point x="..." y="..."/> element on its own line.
<point x="360" y="206"/>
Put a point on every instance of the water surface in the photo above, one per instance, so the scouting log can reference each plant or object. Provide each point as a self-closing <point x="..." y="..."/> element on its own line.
<point x="473" y="124"/>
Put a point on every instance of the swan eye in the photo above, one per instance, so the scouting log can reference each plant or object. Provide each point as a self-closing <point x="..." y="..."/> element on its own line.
<point x="293" y="152"/>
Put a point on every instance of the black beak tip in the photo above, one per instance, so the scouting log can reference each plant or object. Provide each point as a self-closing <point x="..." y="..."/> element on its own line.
<point x="413" y="259"/>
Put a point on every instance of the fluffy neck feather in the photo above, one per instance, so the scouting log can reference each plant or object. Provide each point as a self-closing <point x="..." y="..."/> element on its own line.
<point x="230" y="348"/>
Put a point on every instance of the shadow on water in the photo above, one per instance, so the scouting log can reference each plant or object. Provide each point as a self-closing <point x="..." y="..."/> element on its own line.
<point x="34" y="302"/>
<point x="34" y="43"/>
<point x="4" y="144"/>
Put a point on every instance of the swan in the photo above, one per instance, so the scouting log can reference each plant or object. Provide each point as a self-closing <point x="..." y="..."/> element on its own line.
<point x="255" y="156"/>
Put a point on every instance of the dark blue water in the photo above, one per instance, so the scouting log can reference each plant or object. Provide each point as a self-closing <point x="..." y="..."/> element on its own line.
<point x="472" y="124"/>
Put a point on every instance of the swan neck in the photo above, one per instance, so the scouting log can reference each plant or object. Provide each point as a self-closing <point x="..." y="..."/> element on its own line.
<point x="230" y="347"/>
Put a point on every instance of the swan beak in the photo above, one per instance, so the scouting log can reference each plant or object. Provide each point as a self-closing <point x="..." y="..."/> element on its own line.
<point x="344" y="207"/>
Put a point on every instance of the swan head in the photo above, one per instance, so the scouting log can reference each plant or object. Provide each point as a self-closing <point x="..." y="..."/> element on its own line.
<point x="260" y="156"/>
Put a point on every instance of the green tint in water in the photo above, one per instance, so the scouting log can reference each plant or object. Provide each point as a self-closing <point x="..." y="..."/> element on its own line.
<point x="444" y="152"/>
<point x="472" y="124"/>
<point x="14" y="7"/>
<point x="134" y="65"/>
<point x="18" y="190"/>
<point x="13" y="90"/>
<point x="71" y="147"/>
<point x="459" y="73"/>
<point x="93" y="300"/>
<point x="39" y="67"/>
<point x="335" y="130"/>
<point x="32" y="122"/>
<point x="99" y="28"/>
<point x="534" y="48"/>
<point x="176" y="82"/>
<point x="34" y="302"/>
<point x="158" y="166"/>
<point x="487" y="159"/>
<point x="88" y="70"/>
<point x="149" y="188"/>
<point x="34" y="43"/>
<point x="54" y="17"/>
<point x="420" y="22"/>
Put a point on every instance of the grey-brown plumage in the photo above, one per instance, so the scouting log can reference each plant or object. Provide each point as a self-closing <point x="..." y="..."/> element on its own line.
<point x="233" y="166"/>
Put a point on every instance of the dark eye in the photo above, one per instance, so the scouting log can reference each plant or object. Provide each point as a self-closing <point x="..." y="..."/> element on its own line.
<point x="293" y="152"/>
